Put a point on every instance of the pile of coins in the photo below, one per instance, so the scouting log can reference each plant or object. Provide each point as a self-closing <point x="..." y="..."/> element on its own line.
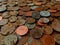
<point x="29" y="22"/>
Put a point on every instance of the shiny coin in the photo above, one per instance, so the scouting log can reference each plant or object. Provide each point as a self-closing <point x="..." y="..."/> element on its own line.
<point x="3" y="21"/>
<point x="36" y="32"/>
<point x="21" y="30"/>
<point x="30" y="20"/>
<point x="30" y="26"/>
<point x="36" y="15"/>
<point x="45" y="13"/>
<point x="12" y="18"/>
<point x="57" y="37"/>
<point x="7" y="29"/>
<point x="10" y="39"/>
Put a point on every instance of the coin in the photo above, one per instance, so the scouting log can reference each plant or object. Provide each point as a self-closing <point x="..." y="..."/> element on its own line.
<point x="36" y="32"/>
<point x="30" y="20"/>
<point x="36" y="15"/>
<point x="49" y="39"/>
<point x="45" y="13"/>
<point x="52" y="11"/>
<point x="33" y="7"/>
<point x="7" y="29"/>
<point x="21" y="30"/>
<point x="21" y="12"/>
<point x="8" y="40"/>
<point x="57" y="37"/>
<point x="3" y="21"/>
<point x="30" y="26"/>
<point x="0" y="18"/>
<point x="12" y="18"/>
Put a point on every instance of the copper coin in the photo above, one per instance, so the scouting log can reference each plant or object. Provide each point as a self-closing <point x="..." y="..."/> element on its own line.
<point x="21" y="12"/>
<point x="52" y="11"/>
<point x="49" y="39"/>
<point x="36" y="32"/>
<point x="0" y="18"/>
<point x="30" y="20"/>
<point x="57" y="37"/>
<point x="21" y="30"/>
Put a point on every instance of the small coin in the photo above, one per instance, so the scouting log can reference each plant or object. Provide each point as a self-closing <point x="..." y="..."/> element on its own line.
<point x="6" y="15"/>
<point x="0" y="18"/>
<point x="49" y="39"/>
<point x="10" y="39"/>
<point x="36" y="32"/>
<point x="21" y="30"/>
<point x="30" y="26"/>
<point x="30" y="20"/>
<point x="7" y="29"/>
<point x="48" y="30"/>
<point x="36" y="15"/>
<point x="21" y="12"/>
<point x="57" y="37"/>
<point x="56" y="25"/>
<point x="33" y="7"/>
<point x="2" y="8"/>
<point x="45" y="13"/>
<point x="12" y="18"/>
<point x="53" y="11"/>
<point x="3" y="21"/>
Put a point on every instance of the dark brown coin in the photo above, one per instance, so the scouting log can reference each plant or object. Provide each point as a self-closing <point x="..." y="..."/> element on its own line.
<point x="36" y="32"/>
<point x="30" y="20"/>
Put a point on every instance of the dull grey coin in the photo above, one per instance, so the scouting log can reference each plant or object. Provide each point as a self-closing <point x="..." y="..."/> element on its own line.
<point x="12" y="18"/>
<point x="45" y="13"/>
<point x="10" y="39"/>
<point x="30" y="26"/>
<point x="3" y="21"/>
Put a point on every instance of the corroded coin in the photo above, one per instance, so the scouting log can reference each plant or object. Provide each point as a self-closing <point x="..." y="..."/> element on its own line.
<point x="36" y="32"/>
<point x="57" y="37"/>
<point x="7" y="29"/>
<point x="3" y="21"/>
<point x="10" y="39"/>
<point x="36" y="15"/>
<point x="45" y="13"/>
<point x="30" y="20"/>
<point x="12" y="18"/>
<point x="30" y="26"/>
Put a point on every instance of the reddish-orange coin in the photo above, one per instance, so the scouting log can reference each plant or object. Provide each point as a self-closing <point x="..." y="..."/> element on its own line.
<point x="47" y="40"/>
<point x="0" y="17"/>
<point x="52" y="10"/>
<point x="21" y="30"/>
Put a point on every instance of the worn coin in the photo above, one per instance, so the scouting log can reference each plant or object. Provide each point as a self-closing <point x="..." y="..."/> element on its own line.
<point x="10" y="39"/>
<point x="12" y="18"/>
<point x="30" y="26"/>
<point x="3" y="21"/>
<point x="45" y="13"/>
<point x="36" y="15"/>
<point x="57" y="37"/>
<point x="36" y="32"/>
<point x="30" y="20"/>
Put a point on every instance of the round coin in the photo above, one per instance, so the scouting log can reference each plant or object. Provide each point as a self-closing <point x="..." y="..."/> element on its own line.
<point x="45" y="13"/>
<point x="21" y="30"/>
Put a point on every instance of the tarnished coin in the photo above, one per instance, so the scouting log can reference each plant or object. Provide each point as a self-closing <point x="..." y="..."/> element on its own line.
<point x="49" y="39"/>
<point x="23" y="40"/>
<point x="3" y="21"/>
<point x="36" y="15"/>
<point x="10" y="39"/>
<point x="33" y="7"/>
<point x="57" y="37"/>
<point x="30" y="26"/>
<point x="45" y="13"/>
<point x="6" y="15"/>
<point x="21" y="12"/>
<point x="30" y="20"/>
<point x="2" y="8"/>
<point x="7" y="29"/>
<point x="1" y="0"/>
<point x="12" y="18"/>
<point x="21" y="30"/>
<point x="56" y="25"/>
<point x="48" y="30"/>
<point x="36" y="32"/>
